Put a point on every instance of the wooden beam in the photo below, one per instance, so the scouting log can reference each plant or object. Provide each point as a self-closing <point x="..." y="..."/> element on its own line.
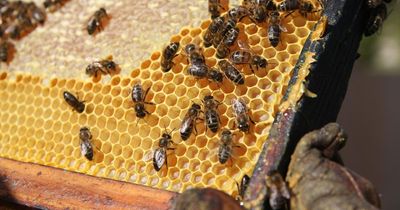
<point x="45" y="187"/>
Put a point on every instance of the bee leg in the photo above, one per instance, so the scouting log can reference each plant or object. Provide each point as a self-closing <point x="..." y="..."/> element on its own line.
<point x="251" y="120"/>
<point x="195" y="126"/>
<point x="77" y="96"/>
<point x="220" y="6"/>
<point x="238" y="187"/>
<point x="253" y="20"/>
<point x="231" y="161"/>
<point x="290" y="13"/>
<point x="137" y="122"/>
<point x="166" y="161"/>
<point x="100" y="26"/>
<point x="251" y="68"/>
<point x="148" y="113"/>
<point x="195" y="130"/>
<point x="144" y="97"/>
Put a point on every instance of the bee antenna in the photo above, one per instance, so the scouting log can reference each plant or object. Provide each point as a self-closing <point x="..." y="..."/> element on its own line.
<point x="172" y="131"/>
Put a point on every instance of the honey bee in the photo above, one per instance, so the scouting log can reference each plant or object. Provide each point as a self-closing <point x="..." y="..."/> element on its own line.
<point x="6" y="48"/>
<point x="238" y="13"/>
<point x="213" y="8"/>
<point x="160" y="154"/>
<point x="212" y="30"/>
<point x="36" y="13"/>
<point x="168" y="54"/>
<point x="303" y="6"/>
<point x="245" y="56"/>
<point x="189" y="121"/>
<point x="277" y="190"/>
<point x="225" y="148"/>
<point x="258" y="11"/>
<point x="105" y="66"/>
<point x="73" y="101"/>
<point x="244" y="183"/>
<point x="275" y="29"/>
<point x="96" y="22"/>
<point x="86" y="147"/>
<point x="229" y="39"/>
<point x="242" y="115"/>
<point x="198" y="71"/>
<point x="228" y="25"/>
<point x="211" y="115"/>
<point x="231" y="72"/>
<point x="194" y="54"/>
<point x="306" y="7"/>
<point x="140" y="100"/>
<point x="4" y="51"/>
<point x="215" y="75"/>
<point x="288" y="5"/>
<point x="8" y="11"/>
<point x="375" y="19"/>
<point x="375" y="3"/>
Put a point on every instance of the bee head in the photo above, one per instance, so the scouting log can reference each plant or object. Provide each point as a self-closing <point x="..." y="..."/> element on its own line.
<point x="140" y="110"/>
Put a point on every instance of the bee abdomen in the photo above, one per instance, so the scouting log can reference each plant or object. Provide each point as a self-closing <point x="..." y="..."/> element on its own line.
<point x="73" y="102"/>
<point x="224" y="153"/>
<point x="212" y="120"/>
<point x="199" y="71"/>
<point x="166" y="65"/>
<point x="87" y="150"/>
<point x="137" y="93"/>
<point x="273" y="35"/>
<point x="235" y="76"/>
<point x="159" y="158"/>
<point x="185" y="134"/>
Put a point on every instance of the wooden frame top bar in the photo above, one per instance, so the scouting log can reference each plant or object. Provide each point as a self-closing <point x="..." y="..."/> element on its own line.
<point x="51" y="188"/>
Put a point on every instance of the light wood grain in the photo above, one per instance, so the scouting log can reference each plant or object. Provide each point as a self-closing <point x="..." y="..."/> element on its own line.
<point x="47" y="187"/>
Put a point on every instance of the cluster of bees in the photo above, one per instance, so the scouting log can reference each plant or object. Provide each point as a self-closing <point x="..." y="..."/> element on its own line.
<point x="18" y="19"/>
<point x="222" y="34"/>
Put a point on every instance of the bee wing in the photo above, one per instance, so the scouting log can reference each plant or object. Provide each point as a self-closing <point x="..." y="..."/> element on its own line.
<point x="239" y="106"/>
<point x="159" y="158"/>
<point x="86" y="147"/>
<point x="243" y="45"/>
<point x="283" y="28"/>
<point x="185" y="124"/>
<point x="148" y="156"/>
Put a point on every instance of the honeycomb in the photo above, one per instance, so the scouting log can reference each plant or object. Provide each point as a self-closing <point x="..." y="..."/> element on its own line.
<point x="39" y="127"/>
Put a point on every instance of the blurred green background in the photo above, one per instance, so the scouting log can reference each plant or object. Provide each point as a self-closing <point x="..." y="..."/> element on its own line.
<point x="371" y="111"/>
